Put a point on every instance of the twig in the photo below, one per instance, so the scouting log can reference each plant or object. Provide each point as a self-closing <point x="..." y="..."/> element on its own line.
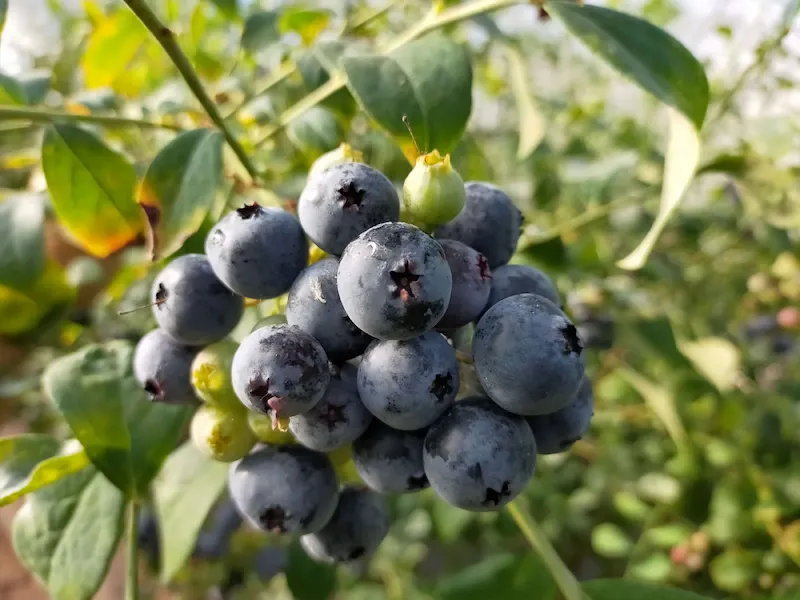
<point x="41" y="115"/>
<point x="166" y="38"/>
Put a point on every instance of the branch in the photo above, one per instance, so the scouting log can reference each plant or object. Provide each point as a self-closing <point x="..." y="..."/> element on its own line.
<point x="166" y="38"/>
<point x="41" y="115"/>
<point x="336" y="82"/>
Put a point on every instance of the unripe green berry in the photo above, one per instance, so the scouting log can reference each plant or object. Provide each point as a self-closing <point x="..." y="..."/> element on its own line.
<point x="433" y="193"/>
<point x="344" y="153"/>
<point x="264" y="430"/>
<point x="279" y="319"/>
<point x="222" y="435"/>
<point x="211" y="376"/>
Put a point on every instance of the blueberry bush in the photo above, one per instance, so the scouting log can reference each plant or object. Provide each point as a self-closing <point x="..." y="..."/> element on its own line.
<point x="283" y="314"/>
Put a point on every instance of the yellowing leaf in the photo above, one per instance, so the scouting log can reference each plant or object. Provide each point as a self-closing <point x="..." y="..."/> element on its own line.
<point x="716" y="359"/>
<point x="308" y="24"/>
<point x="112" y="47"/>
<point x="91" y="187"/>
<point x="680" y="163"/>
<point x="531" y="122"/>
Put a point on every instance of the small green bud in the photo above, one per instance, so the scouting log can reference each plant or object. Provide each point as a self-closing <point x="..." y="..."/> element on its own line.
<point x="433" y="193"/>
<point x="211" y="376"/>
<point x="338" y="156"/>
<point x="222" y="435"/>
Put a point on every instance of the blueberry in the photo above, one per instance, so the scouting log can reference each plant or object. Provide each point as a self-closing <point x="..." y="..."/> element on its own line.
<point x="314" y="306"/>
<point x="284" y="489"/>
<point x="214" y="541"/>
<point x="477" y="456"/>
<point x="256" y="251"/>
<point x="162" y="366"/>
<point x="760" y="326"/>
<point x="394" y="281"/>
<point x="211" y="375"/>
<point x="263" y="428"/>
<point x="355" y="531"/>
<point x="472" y="282"/>
<point x="490" y="223"/>
<point x="270" y="320"/>
<point x="192" y="304"/>
<point x="147" y="536"/>
<point x="344" y="200"/>
<point x="408" y="384"/>
<point x="222" y="435"/>
<point x="433" y="193"/>
<point x="390" y="461"/>
<point x="528" y="355"/>
<point x="338" y="418"/>
<point x="512" y="280"/>
<point x="280" y="370"/>
<point x="558" y="431"/>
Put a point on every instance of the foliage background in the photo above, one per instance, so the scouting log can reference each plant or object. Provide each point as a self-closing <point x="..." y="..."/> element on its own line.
<point x="690" y="474"/>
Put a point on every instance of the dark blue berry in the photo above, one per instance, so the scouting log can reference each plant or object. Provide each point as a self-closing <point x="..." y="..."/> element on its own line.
<point x="163" y="368"/>
<point x="408" y="384"/>
<point x="256" y="251"/>
<point x="558" y="431"/>
<point x="511" y="280"/>
<point x="390" y="461"/>
<point x="394" y="281"/>
<point x="315" y="307"/>
<point x="528" y="355"/>
<point x="477" y="456"/>
<point x="472" y="282"/>
<point x="343" y="201"/>
<point x="192" y="305"/>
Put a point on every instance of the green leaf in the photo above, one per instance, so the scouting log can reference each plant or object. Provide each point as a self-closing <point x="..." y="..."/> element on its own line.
<point x="179" y="189"/>
<point x="716" y="359"/>
<point x="126" y="436"/>
<point x="429" y="81"/>
<point x="642" y="51"/>
<point x="531" y="122"/>
<point x="112" y="47"/>
<point x="505" y="575"/>
<point x="67" y="533"/>
<point x="32" y="461"/>
<point x="624" y="589"/>
<point x="260" y="30"/>
<point x="315" y="131"/>
<point x="680" y="163"/>
<point x="655" y="567"/>
<point x="186" y="488"/>
<point x="21" y="239"/>
<point x="91" y="187"/>
<point x="610" y="541"/>
<point x="36" y="87"/>
<point x="307" y="23"/>
<point x="11" y="91"/>
<point x="316" y="64"/>
<point x="308" y="579"/>
<point x="661" y="402"/>
<point x="229" y="8"/>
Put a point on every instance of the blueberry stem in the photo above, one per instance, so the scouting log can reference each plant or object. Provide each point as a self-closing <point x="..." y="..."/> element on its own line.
<point x="41" y="115"/>
<point x="463" y="357"/>
<point x="166" y="38"/>
<point x="132" y="573"/>
<point x="565" y="580"/>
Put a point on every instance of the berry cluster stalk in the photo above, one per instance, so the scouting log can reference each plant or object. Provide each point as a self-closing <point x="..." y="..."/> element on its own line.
<point x="42" y="115"/>
<point x="132" y="574"/>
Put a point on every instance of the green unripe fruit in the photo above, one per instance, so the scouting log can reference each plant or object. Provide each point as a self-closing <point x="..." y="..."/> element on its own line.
<point x="262" y="428"/>
<point x="211" y="376"/>
<point x="222" y="435"/>
<point x="270" y="320"/>
<point x="433" y="193"/>
<point x="344" y="153"/>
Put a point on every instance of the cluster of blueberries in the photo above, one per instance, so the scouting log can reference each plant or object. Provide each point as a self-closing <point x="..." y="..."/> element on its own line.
<point x="364" y="357"/>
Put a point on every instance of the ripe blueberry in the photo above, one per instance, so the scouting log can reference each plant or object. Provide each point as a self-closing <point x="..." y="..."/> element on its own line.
<point x="256" y="251"/>
<point x="472" y="282"/>
<point x="394" y="281"/>
<point x="477" y="456"/>
<point x="280" y="370"/>
<point x="528" y="355"/>
<point x="344" y="200"/>
<point x="314" y="306"/>
<point x="558" y="431"/>
<point x="192" y="304"/>
<point x="284" y="489"/>
<point x="512" y="280"/>
<point x="490" y="223"/>
<point x="355" y="531"/>
<point x="161" y="365"/>
<point x="408" y="384"/>
<point x="338" y="418"/>
<point x="390" y="461"/>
